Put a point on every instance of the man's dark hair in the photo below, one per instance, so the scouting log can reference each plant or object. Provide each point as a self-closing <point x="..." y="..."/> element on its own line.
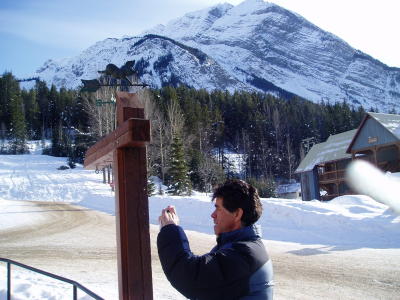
<point x="239" y="194"/>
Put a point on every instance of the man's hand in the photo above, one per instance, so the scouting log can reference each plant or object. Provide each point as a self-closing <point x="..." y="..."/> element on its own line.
<point x="168" y="216"/>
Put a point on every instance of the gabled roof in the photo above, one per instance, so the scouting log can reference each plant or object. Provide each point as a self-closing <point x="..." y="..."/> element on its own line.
<point x="390" y="121"/>
<point x="333" y="149"/>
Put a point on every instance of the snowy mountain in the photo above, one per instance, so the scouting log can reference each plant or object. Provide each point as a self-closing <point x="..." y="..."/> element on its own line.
<point x="159" y="61"/>
<point x="255" y="45"/>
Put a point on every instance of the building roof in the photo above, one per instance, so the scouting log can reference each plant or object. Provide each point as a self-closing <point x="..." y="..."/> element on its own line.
<point x="338" y="146"/>
<point x="390" y="121"/>
<point x="333" y="149"/>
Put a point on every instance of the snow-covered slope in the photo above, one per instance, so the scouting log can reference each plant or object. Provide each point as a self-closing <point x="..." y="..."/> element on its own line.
<point x="255" y="45"/>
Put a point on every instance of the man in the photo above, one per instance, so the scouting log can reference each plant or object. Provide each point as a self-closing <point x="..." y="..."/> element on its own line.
<point x="238" y="267"/>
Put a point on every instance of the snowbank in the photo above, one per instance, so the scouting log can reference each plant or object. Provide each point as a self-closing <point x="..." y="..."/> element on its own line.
<point x="347" y="222"/>
<point x="351" y="221"/>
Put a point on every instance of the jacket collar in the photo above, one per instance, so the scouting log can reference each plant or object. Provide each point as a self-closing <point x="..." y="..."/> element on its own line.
<point x="244" y="233"/>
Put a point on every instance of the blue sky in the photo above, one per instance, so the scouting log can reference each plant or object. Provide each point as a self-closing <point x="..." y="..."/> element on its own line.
<point x="32" y="31"/>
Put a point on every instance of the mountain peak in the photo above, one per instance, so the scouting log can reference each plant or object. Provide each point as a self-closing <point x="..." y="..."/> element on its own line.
<point x="196" y="21"/>
<point x="252" y="4"/>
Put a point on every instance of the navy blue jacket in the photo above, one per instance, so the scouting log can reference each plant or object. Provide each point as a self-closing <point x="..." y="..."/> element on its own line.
<point x="238" y="267"/>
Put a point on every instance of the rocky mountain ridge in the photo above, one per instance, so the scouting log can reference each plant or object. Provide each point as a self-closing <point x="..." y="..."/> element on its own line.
<point x="254" y="46"/>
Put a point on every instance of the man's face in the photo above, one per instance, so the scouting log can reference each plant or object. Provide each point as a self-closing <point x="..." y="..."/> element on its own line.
<point x="224" y="220"/>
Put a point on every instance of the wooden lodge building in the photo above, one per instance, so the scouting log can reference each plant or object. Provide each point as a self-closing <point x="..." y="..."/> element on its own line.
<point x="377" y="140"/>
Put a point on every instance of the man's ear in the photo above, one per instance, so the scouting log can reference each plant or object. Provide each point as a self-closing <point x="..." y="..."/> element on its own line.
<point x="238" y="214"/>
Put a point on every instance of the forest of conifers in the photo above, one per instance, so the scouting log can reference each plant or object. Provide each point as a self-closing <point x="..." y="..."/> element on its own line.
<point x="193" y="131"/>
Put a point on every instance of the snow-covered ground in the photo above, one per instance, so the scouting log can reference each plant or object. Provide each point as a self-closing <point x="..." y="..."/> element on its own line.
<point x="348" y="222"/>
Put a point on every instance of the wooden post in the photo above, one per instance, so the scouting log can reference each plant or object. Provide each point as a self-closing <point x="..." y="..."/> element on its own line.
<point x="375" y="157"/>
<point x="126" y="148"/>
<point x="132" y="211"/>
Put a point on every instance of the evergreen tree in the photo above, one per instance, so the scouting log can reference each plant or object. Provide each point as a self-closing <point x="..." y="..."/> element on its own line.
<point x="60" y="142"/>
<point x="179" y="183"/>
<point x="9" y="88"/>
<point x="32" y="116"/>
<point x="3" y="135"/>
<point x="151" y="188"/>
<point x="266" y="187"/>
<point x="18" y="134"/>
<point x="42" y="94"/>
<point x="52" y="108"/>
<point x="82" y="142"/>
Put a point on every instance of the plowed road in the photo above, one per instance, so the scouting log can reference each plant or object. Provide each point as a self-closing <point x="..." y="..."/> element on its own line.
<point x="79" y="244"/>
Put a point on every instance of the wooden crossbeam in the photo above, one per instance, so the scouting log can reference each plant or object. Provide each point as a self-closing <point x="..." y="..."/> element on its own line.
<point x="132" y="133"/>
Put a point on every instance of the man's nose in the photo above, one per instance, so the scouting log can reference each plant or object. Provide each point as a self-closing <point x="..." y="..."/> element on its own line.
<point x="213" y="215"/>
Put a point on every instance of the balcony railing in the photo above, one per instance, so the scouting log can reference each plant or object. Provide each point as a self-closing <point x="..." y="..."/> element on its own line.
<point x="331" y="175"/>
